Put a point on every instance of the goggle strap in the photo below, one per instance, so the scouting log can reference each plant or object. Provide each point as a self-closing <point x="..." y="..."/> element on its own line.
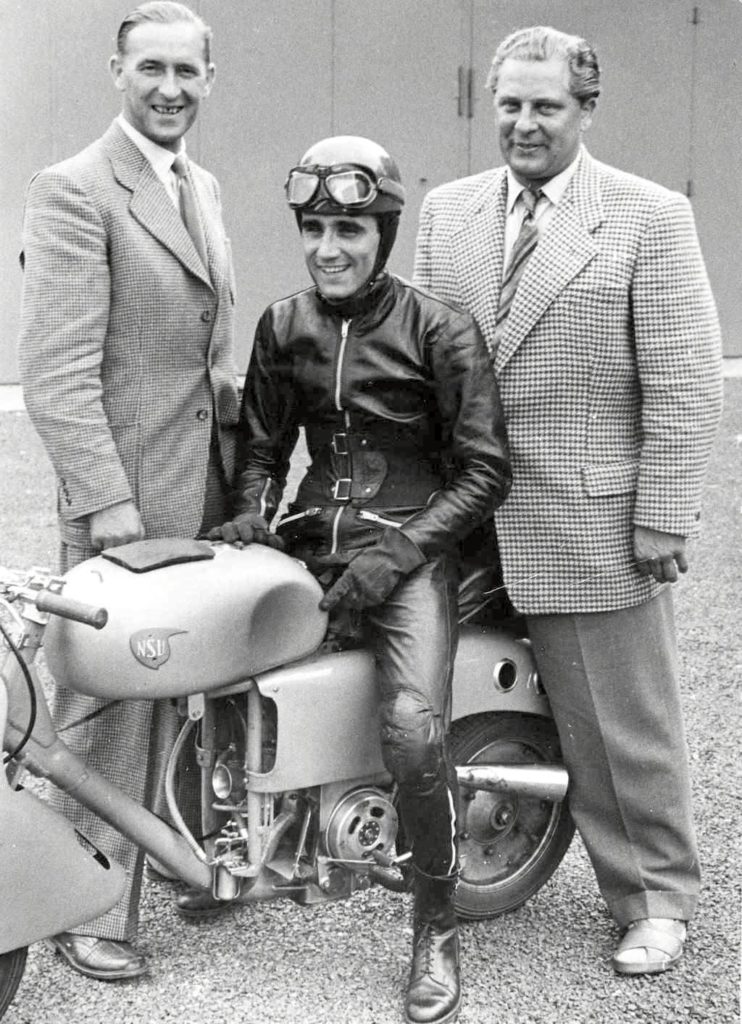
<point x="391" y="187"/>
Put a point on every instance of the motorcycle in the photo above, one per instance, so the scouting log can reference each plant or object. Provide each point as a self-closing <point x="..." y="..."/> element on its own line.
<point x="296" y="801"/>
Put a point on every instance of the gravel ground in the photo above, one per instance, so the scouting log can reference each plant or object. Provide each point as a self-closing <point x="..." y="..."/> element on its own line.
<point x="277" y="963"/>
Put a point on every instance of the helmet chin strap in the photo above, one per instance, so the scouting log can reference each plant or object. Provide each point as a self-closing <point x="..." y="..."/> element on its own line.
<point x="358" y="294"/>
<point x="361" y="299"/>
<point x="388" y="225"/>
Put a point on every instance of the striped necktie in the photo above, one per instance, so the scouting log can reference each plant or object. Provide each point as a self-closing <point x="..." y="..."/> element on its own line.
<point x="524" y="245"/>
<point x="189" y="207"/>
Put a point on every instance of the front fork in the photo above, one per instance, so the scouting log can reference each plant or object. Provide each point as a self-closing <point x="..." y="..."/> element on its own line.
<point x="241" y="849"/>
<point x="46" y="756"/>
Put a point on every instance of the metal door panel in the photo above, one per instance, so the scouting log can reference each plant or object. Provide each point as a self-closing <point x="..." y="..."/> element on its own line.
<point x="716" y="159"/>
<point x="396" y="80"/>
<point x="642" y="123"/>
<point x="271" y="98"/>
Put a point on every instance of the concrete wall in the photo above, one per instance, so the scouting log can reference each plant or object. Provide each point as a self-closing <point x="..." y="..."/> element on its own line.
<point x="292" y="71"/>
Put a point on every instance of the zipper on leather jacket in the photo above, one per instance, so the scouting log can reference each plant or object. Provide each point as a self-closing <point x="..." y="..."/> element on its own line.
<point x="307" y="513"/>
<point x="263" y="497"/>
<point x="374" y="517"/>
<point x="344" y="329"/>
<point x="336" y="530"/>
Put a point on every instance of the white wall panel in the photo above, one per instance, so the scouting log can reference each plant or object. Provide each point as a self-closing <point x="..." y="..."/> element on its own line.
<point x="291" y="71"/>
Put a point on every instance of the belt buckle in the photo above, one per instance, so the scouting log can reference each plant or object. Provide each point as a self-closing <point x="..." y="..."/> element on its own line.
<point x="341" y="489"/>
<point x="340" y="444"/>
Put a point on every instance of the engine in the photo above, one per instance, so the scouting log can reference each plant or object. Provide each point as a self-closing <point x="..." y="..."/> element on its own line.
<point x="362" y="827"/>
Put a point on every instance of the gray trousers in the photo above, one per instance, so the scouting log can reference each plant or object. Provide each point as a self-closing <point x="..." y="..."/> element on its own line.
<point x="128" y="742"/>
<point x="611" y="678"/>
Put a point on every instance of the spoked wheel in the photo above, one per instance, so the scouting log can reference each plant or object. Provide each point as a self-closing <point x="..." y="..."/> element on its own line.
<point x="509" y="845"/>
<point x="12" y="965"/>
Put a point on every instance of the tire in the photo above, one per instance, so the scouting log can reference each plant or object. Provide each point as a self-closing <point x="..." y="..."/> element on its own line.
<point x="12" y="965"/>
<point x="509" y="846"/>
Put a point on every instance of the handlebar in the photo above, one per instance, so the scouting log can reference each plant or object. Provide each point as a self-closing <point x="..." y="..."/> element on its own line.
<point x="68" y="608"/>
<point x="39" y="587"/>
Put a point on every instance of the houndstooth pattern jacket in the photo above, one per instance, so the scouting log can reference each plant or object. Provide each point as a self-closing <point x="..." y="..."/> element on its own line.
<point x="126" y="338"/>
<point x="609" y="371"/>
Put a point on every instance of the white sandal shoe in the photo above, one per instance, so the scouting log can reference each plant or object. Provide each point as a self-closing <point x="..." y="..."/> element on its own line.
<point x="650" y="946"/>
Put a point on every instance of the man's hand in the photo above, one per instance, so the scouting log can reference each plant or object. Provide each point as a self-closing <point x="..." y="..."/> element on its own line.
<point x="375" y="572"/>
<point x="248" y="528"/>
<point x="659" y="554"/>
<point x="118" y="524"/>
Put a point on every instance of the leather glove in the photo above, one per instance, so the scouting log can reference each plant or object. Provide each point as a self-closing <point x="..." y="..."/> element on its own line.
<point x="247" y="528"/>
<point x="375" y="571"/>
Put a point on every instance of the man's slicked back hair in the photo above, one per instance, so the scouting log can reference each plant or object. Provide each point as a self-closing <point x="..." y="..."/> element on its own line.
<point x="543" y="43"/>
<point x="163" y="12"/>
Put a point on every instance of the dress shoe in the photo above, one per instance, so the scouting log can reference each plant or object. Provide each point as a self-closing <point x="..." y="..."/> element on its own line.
<point x="200" y="905"/>
<point x="104" y="959"/>
<point x="650" y="945"/>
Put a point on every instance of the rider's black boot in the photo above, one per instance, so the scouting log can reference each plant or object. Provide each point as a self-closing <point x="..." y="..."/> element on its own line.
<point x="434" y="989"/>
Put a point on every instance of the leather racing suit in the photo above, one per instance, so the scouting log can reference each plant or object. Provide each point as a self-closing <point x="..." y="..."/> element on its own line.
<point x="405" y="432"/>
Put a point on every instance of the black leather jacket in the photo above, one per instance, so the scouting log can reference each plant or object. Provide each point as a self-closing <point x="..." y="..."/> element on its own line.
<point x="402" y="417"/>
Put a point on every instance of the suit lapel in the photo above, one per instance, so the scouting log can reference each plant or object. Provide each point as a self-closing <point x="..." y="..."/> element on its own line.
<point x="566" y="248"/>
<point x="215" y="243"/>
<point x="150" y="205"/>
<point x="477" y="248"/>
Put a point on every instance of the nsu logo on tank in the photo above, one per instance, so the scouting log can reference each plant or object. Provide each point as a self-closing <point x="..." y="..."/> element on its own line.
<point x="151" y="647"/>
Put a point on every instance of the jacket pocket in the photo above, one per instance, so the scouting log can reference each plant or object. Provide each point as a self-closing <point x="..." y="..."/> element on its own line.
<point x="606" y="478"/>
<point x="75" y="532"/>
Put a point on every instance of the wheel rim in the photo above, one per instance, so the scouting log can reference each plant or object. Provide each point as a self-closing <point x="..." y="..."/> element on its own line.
<point x="502" y="834"/>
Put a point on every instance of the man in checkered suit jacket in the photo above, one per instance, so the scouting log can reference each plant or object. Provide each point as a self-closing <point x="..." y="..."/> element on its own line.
<point x="128" y="375"/>
<point x="609" y="370"/>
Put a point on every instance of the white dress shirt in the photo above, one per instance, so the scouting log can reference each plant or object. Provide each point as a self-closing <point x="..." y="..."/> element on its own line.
<point x="161" y="159"/>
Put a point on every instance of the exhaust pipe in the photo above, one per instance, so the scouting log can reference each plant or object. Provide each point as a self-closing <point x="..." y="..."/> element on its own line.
<point x="538" y="781"/>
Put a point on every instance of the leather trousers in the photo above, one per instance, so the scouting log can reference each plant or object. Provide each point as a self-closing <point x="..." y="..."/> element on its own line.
<point x="413" y="635"/>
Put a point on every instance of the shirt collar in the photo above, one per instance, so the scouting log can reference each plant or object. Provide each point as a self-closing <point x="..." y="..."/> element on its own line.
<point x="160" y="158"/>
<point x="554" y="188"/>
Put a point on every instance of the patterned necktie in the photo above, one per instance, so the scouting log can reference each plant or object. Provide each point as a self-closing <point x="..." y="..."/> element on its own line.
<point x="524" y="245"/>
<point x="189" y="207"/>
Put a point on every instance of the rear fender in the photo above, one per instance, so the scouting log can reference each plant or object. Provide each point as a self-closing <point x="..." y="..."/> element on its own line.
<point x="48" y="882"/>
<point x="495" y="671"/>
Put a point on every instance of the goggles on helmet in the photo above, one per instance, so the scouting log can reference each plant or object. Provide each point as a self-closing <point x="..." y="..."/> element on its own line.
<point x="344" y="184"/>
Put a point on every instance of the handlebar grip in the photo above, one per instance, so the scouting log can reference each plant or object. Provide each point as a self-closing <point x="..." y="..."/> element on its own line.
<point x="68" y="608"/>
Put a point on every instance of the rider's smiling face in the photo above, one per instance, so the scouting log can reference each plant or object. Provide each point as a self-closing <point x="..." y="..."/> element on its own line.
<point x="340" y="251"/>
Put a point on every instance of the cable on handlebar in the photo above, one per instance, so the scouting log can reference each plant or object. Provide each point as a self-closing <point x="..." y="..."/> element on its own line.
<point x="31" y="692"/>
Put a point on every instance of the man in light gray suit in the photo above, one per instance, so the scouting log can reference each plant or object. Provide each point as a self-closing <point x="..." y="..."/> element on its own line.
<point x="128" y="376"/>
<point x="590" y="289"/>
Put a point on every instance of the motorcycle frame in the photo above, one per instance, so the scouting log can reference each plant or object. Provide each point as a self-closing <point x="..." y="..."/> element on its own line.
<point x="46" y="756"/>
<point x="479" y="687"/>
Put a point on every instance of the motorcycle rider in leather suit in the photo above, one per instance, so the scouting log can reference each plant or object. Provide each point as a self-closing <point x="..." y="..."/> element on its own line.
<point x="405" y="434"/>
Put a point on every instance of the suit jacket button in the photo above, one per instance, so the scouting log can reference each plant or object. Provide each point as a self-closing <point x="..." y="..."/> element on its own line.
<point x="206" y="316"/>
<point x="202" y="414"/>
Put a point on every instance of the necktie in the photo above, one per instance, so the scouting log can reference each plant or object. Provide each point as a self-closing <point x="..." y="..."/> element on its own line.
<point x="189" y="207"/>
<point x="524" y="245"/>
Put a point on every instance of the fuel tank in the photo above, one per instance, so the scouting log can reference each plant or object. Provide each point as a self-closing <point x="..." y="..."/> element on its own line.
<point x="184" y="617"/>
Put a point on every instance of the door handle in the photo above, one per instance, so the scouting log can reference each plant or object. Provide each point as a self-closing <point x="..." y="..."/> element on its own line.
<point x="461" y="94"/>
<point x="465" y="95"/>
